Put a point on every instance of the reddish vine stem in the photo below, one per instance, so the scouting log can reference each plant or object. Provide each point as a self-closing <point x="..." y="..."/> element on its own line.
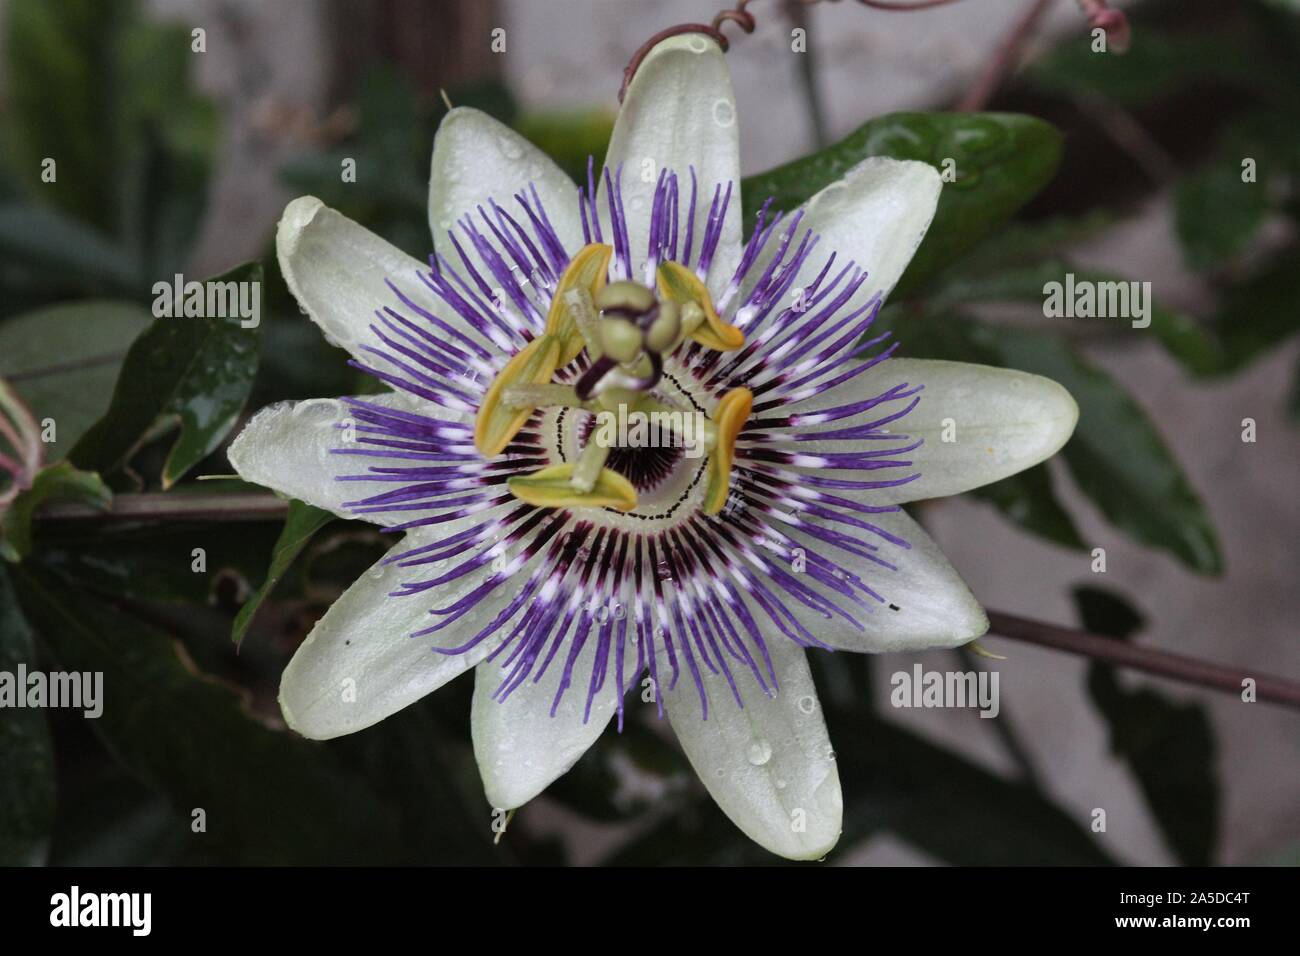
<point x="254" y="506"/>
<point x="740" y="15"/>
<point x="1189" y="670"/>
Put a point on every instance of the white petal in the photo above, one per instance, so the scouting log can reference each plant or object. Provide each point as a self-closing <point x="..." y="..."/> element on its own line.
<point x="999" y="422"/>
<point x="359" y="664"/>
<point x="336" y="269"/>
<point x="935" y="608"/>
<point x="288" y="447"/>
<point x="680" y="112"/>
<point x="875" y="216"/>
<point x="770" y="765"/>
<point x="476" y="158"/>
<point x="521" y="749"/>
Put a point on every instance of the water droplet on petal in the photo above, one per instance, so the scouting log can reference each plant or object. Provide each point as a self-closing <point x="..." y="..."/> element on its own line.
<point x="724" y="114"/>
<point x="807" y="703"/>
<point x="760" y="752"/>
<point x="697" y="44"/>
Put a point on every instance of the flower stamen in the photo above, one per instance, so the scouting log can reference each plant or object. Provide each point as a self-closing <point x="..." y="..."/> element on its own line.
<point x="729" y="418"/>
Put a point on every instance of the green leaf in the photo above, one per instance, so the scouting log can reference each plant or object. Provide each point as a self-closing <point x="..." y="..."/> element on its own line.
<point x="1001" y="161"/>
<point x="1116" y="455"/>
<point x="569" y="137"/>
<point x="1106" y="612"/>
<point x="63" y="253"/>
<point x="302" y="522"/>
<point x="1169" y="746"/>
<point x="1216" y="214"/>
<point x="64" y="359"/>
<point x="269" y="797"/>
<point x="1182" y="337"/>
<point x="59" y="482"/>
<point x="155" y="562"/>
<point x="1156" y="65"/>
<point x="187" y="372"/>
<point x="27" y="786"/>
<point x="952" y="808"/>
<point x="1260" y="312"/>
<point x="1028" y="500"/>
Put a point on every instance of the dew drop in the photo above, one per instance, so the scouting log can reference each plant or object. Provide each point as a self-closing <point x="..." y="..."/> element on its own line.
<point x="807" y="703"/>
<point x="760" y="752"/>
<point x="697" y="44"/>
<point x="724" y="114"/>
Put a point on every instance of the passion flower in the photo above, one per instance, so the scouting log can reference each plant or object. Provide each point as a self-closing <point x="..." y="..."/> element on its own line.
<point x="566" y="569"/>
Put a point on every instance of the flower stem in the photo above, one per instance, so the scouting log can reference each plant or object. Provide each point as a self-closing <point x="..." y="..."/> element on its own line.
<point x="158" y="506"/>
<point x="1189" y="670"/>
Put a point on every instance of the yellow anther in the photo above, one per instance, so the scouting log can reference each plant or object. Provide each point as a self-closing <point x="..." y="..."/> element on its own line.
<point x="680" y="284"/>
<point x="497" y="422"/>
<point x="729" y="418"/>
<point x="587" y="270"/>
<point x="553" y="488"/>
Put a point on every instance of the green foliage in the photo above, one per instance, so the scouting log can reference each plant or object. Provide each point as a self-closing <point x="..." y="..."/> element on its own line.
<point x="63" y="361"/>
<point x="999" y="161"/>
<point x="60" y="482"/>
<point x="1116" y="456"/>
<point x="106" y="95"/>
<point x="191" y="373"/>
<point x="1169" y="746"/>
<point x="27" y="786"/>
<point x="302" y="522"/>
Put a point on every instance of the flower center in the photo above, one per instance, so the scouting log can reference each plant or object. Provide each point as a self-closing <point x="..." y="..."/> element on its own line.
<point x="632" y="436"/>
<point x="648" y="456"/>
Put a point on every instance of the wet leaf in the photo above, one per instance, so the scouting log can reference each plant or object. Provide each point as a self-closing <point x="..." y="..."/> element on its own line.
<point x="999" y="160"/>
<point x="188" y="373"/>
